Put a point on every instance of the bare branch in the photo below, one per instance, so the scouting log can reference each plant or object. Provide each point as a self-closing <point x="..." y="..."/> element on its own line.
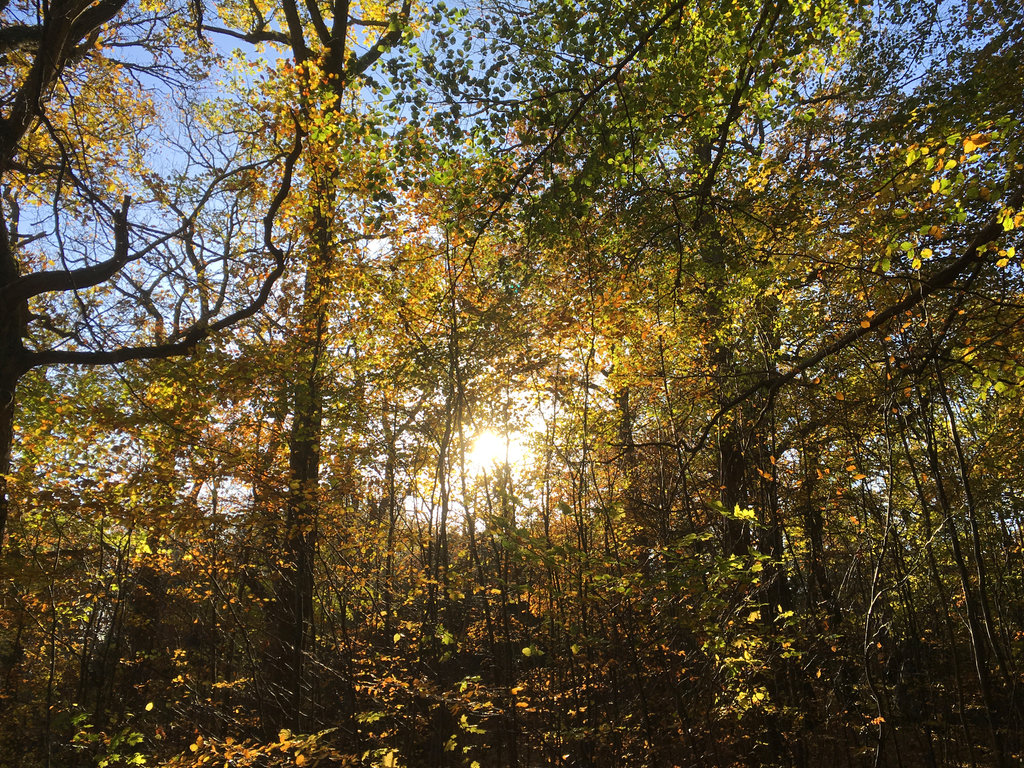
<point x="36" y="283"/>
<point x="256" y="35"/>
<point x="203" y="328"/>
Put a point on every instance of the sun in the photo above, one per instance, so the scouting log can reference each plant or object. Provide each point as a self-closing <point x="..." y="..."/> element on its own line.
<point x="492" y="449"/>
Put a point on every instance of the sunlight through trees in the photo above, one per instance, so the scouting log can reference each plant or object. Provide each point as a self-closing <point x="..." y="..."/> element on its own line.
<point x="443" y="385"/>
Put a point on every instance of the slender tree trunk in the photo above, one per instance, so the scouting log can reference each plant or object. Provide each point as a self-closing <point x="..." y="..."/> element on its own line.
<point x="295" y="629"/>
<point x="391" y="510"/>
<point x="980" y="571"/>
<point x="979" y="647"/>
<point x="732" y="463"/>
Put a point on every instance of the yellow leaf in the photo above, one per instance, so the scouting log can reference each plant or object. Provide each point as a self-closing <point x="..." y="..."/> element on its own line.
<point x="389" y="760"/>
<point x="977" y="141"/>
<point x="300" y="759"/>
<point x="149" y="707"/>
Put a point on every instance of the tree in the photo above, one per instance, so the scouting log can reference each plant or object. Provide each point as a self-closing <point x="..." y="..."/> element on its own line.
<point x="124" y="237"/>
<point x="325" y="69"/>
<point x="741" y="274"/>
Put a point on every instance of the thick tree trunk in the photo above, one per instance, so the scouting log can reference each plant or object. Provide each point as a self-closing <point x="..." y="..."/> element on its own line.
<point x="8" y="384"/>
<point x="13" y="326"/>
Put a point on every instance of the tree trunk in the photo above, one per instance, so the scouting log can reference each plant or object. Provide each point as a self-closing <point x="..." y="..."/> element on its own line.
<point x="8" y="385"/>
<point x="295" y="629"/>
<point x="13" y="326"/>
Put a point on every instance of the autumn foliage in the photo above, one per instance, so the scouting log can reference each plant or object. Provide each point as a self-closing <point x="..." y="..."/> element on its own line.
<point x="567" y="384"/>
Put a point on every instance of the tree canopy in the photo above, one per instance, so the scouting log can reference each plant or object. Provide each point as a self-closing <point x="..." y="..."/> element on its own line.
<point x="511" y="384"/>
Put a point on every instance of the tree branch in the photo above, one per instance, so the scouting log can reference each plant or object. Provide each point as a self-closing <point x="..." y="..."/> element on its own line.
<point x="35" y="283"/>
<point x="513" y="185"/>
<point x="63" y="27"/>
<point x="203" y="328"/>
<point x="941" y="279"/>
<point x="75" y="279"/>
<point x="17" y="35"/>
<point x="258" y="35"/>
<point x="386" y="41"/>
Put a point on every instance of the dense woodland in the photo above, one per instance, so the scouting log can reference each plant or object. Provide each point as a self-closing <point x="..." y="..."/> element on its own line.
<point x="564" y="383"/>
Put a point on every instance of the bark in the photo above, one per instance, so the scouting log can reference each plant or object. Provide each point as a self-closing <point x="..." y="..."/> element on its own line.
<point x="13" y="317"/>
<point x="16" y="360"/>
<point x="295" y="630"/>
